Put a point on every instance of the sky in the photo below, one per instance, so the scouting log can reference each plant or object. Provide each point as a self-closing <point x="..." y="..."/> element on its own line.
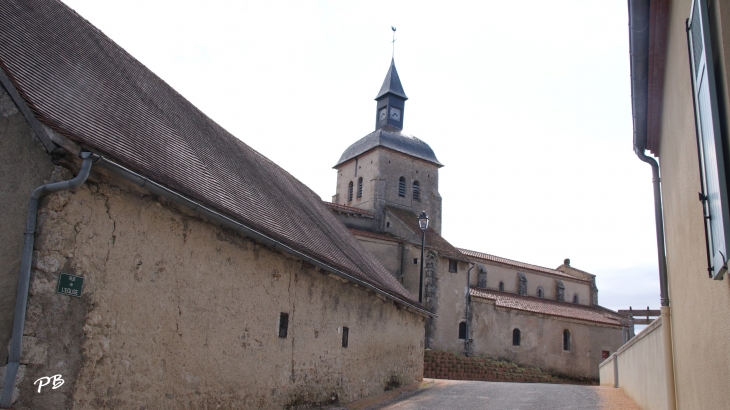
<point x="527" y="104"/>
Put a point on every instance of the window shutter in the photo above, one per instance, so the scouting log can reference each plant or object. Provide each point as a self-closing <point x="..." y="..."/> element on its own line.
<point x="707" y="119"/>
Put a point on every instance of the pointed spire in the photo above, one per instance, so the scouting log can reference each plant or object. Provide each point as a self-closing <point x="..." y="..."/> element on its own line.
<point x="392" y="84"/>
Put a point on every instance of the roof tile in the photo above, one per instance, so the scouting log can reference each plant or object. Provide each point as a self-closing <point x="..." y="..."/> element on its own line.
<point x="597" y="314"/>
<point x="516" y="264"/>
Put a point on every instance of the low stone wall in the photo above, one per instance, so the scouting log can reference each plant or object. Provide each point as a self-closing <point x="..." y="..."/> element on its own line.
<point x="445" y="365"/>
<point x="639" y="368"/>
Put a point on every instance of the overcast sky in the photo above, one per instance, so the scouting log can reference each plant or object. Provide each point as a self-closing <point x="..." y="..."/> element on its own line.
<point x="527" y="104"/>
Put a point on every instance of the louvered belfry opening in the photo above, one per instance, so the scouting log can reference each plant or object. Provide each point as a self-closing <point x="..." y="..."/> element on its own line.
<point x="359" y="187"/>
<point x="402" y="187"/>
<point x="416" y="191"/>
<point x="349" y="192"/>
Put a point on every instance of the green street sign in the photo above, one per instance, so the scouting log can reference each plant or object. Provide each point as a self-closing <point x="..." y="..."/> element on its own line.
<point x="70" y="284"/>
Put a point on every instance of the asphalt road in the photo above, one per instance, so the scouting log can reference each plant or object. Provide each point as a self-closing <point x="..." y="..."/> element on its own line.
<point x="455" y="395"/>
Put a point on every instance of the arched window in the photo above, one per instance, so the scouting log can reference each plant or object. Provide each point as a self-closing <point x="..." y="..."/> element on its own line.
<point x="501" y="286"/>
<point x="402" y="187"/>
<point x="566" y="340"/>
<point x="349" y="192"/>
<point x="359" y="187"/>
<point x="540" y="292"/>
<point x="516" y="337"/>
<point x="416" y="191"/>
<point x="462" y="330"/>
<point x="575" y="298"/>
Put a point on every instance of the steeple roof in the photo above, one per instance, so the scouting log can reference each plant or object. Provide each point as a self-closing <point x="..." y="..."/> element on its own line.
<point x="392" y="84"/>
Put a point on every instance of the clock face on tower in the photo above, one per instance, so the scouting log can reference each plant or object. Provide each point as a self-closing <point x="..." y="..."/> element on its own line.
<point x="395" y="113"/>
<point x="383" y="114"/>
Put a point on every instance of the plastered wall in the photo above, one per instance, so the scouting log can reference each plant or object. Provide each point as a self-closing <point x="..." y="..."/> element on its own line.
<point x="179" y="313"/>
<point x="700" y="329"/>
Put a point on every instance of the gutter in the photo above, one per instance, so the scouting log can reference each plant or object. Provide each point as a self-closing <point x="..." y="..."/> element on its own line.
<point x="639" y="29"/>
<point x="21" y="300"/>
<point x="216" y="216"/>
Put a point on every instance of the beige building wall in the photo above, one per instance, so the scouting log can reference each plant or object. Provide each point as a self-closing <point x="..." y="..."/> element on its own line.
<point x="179" y="313"/>
<point x="700" y="329"/>
<point x="641" y="370"/>
<point x="606" y="372"/>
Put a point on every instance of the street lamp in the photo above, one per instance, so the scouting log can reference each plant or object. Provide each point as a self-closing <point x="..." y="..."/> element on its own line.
<point x="423" y="224"/>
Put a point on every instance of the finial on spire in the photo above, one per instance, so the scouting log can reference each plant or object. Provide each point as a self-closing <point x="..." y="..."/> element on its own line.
<point x="393" y="28"/>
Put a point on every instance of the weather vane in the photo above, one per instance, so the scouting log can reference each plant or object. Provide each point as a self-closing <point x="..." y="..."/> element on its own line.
<point x="393" y="28"/>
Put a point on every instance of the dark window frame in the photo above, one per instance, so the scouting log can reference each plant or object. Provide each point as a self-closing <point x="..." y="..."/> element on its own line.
<point x="453" y="265"/>
<point x="462" y="330"/>
<point x="345" y="336"/>
<point x="516" y="337"/>
<point x="566" y="340"/>
<point x="283" y="325"/>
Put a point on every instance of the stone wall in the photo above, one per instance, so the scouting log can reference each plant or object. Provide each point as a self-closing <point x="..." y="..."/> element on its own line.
<point x="177" y="312"/>
<point x="381" y="169"/>
<point x="446" y="365"/>
<point x="541" y="341"/>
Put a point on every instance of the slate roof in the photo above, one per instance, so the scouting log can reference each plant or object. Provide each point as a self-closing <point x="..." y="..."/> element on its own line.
<point x="518" y="265"/>
<point x="433" y="239"/>
<point x="393" y="139"/>
<point x="83" y="85"/>
<point x="349" y="210"/>
<point x="392" y="84"/>
<point x="597" y="314"/>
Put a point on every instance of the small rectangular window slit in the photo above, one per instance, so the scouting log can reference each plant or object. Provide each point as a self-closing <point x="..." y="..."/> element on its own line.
<point x="345" y="335"/>
<point x="283" y="324"/>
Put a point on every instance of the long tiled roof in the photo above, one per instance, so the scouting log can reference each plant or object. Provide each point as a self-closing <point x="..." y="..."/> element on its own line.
<point x="542" y="306"/>
<point x="83" y="85"/>
<point x="516" y="264"/>
<point x="433" y="239"/>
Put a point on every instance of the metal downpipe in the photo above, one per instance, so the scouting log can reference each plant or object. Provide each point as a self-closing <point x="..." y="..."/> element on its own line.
<point x="663" y="284"/>
<point x="466" y="320"/>
<point x="21" y="300"/>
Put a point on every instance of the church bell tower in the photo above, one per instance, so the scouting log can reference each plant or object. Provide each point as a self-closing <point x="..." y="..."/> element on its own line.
<point x="390" y="101"/>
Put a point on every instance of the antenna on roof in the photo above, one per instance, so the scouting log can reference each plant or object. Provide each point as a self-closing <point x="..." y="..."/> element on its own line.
<point x="393" y="28"/>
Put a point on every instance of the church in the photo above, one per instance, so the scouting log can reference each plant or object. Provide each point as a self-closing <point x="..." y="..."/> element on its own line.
<point x="484" y="304"/>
